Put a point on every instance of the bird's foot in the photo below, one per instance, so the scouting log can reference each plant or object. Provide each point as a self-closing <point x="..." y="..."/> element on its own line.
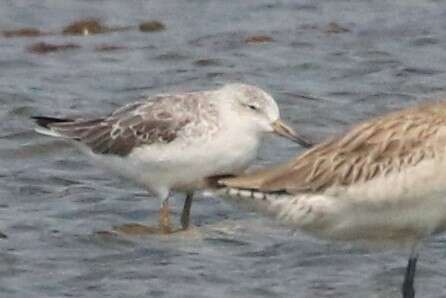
<point x="164" y="221"/>
<point x="166" y="229"/>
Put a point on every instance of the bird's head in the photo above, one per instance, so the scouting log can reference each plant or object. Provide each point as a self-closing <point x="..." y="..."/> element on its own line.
<point x="259" y="111"/>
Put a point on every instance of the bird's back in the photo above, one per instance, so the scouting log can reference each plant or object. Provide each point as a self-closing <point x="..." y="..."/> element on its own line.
<point x="369" y="150"/>
<point x="159" y="120"/>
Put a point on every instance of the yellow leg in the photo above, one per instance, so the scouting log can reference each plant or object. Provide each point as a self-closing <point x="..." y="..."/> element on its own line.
<point x="165" y="225"/>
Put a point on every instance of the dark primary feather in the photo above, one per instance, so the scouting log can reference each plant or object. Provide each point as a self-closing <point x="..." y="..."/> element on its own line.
<point x="45" y="121"/>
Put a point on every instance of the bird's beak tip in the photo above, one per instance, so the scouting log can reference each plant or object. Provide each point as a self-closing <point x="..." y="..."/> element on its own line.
<point x="282" y="129"/>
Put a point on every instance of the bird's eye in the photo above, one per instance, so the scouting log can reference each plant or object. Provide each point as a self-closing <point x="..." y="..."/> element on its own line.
<point x="253" y="107"/>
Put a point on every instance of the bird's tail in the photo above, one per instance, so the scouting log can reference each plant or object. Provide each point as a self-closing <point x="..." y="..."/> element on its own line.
<point x="45" y="125"/>
<point x="73" y="129"/>
<point x="45" y="122"/>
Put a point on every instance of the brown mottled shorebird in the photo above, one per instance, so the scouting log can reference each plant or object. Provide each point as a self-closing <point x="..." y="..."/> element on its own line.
<point x="172" y="142"/>
<point x="381" y="183"/>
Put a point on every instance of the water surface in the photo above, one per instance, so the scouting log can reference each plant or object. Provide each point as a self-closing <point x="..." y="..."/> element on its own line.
<point x="377" y="56"/>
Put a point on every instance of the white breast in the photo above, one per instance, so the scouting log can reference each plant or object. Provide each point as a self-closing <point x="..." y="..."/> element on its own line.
<point x="182" y="164"/>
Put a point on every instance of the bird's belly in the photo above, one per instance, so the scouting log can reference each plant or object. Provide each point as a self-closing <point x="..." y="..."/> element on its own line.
<point x="399" y="208"/>
<point x="396" y="224"/>
<point x="184" y="166"/>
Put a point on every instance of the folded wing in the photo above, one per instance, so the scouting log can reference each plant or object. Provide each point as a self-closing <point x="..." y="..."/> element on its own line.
<point x="372" y="149"/>
<point x="142" y="123"/>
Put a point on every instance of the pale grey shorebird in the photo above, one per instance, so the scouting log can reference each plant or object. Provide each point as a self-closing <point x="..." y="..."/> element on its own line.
<point x="383" y="183"/>
<point x="173" y="142"/>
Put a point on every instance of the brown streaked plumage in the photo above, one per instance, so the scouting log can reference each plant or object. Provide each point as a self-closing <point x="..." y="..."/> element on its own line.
<point x="371" y="149"/>
<point x="382" y="182"/>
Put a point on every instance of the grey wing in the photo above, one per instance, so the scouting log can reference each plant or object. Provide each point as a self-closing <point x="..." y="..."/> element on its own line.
<point x="127" y="128"/>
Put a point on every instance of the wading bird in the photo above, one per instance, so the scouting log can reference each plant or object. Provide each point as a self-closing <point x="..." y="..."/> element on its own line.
<point x="173" y="142"/>
<point x="381" y="183"/>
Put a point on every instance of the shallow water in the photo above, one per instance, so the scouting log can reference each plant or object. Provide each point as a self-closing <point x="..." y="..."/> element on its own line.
<point x="389" y="55"/>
